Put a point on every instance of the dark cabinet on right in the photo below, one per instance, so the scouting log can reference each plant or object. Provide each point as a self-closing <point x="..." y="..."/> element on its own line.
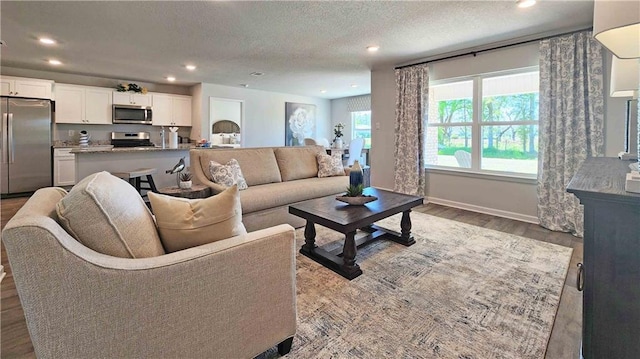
<point x="611" y="268"/>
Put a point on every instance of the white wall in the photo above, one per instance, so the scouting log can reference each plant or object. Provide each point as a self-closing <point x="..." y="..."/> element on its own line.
<point x="506" y="198"/>
<point x="340" y="113"/>
<point x="264" y="121"/>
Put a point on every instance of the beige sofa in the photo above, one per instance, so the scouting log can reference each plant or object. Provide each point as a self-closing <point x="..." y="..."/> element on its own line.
<point x="234" y="298"/>
<point x="276" y="176"/>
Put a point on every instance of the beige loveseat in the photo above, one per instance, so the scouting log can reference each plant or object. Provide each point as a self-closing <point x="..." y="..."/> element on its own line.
<point x="233" y="298"/>
<point x="276" y="176"/>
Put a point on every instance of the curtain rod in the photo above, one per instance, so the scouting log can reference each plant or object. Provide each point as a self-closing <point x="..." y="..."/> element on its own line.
<point x="474" y="53"/>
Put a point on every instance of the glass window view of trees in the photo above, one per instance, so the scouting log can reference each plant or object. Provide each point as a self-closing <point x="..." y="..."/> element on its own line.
<point x="361" y="126"/>
<point x="485" y="124"/>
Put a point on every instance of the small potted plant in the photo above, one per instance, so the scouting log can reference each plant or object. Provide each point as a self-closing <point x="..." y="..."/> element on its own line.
<point x="185" y="180"/>
<point x="355" y="197"/>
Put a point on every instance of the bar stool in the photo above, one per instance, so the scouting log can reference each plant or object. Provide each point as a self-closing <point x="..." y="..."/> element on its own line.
<point x="135" y="178"/>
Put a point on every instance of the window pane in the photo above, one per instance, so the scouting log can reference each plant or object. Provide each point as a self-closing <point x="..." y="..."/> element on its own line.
<point x="361" y="126"/>
<point x="510" y="148"/>
<point x="449" y="146"/>
<point x="510" y="98"/>
<point x="451" y="103"/>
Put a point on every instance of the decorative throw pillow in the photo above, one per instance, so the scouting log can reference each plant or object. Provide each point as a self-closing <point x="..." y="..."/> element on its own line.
<point x="107" y="214"/>
<point x="329" y="166"/>
<point x="184" y="223"/>
<point x="227" y="175"/>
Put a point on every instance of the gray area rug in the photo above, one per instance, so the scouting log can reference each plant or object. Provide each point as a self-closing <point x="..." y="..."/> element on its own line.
<point x="461" y="291"/>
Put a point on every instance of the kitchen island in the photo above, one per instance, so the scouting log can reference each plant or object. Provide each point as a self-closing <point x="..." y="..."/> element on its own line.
<point x="95" y="159"/>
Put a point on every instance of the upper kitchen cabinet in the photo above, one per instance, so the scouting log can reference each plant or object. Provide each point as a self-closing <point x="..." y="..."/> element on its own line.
<point x="126" y="98"/>
<point x="83" y="104"/>
<point x="171" y="110"/>
<point x="25" y="87"/>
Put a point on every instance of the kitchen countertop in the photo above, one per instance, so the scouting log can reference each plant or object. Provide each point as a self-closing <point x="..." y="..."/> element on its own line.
<point x="103" y="149"/>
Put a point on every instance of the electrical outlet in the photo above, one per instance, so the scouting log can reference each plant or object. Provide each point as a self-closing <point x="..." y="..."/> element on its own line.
<point x="377" y="125"/>
<point x="72" y="133"/>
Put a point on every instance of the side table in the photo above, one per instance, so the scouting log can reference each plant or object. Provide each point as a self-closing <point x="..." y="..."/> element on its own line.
<point x="196" y="191"/>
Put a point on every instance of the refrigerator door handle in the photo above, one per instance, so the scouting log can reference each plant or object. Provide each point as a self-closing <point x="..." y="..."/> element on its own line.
<point x="4" y="125"/>
<point x="10" y="136"/>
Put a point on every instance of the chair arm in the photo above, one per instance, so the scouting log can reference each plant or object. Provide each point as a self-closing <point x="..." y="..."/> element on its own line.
<point x="231" y="298"/>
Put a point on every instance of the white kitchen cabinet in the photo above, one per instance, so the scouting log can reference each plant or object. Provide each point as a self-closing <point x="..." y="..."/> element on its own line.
<point x="64" y="167"/>
<point x="83" y="104"/>
<point x="98" y="105"/>
<point x="25" y="87"/>
<point x="70" y="104"/>
<point x="126" y="98"/>
<point x="171" y="110"/>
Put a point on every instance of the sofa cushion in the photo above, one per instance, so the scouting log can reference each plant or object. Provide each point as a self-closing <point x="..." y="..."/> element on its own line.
<point x="228" y="174"/>
<point x="284" y="193"/>
<point x="298" y="162"/>
<point x="185" y="223"/>
<point x="259" y="164"/>
<point x="329" y="166"/>
<point x="108" y="215"/>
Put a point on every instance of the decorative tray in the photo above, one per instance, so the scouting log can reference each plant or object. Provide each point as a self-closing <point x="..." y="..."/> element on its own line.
<point x="357" y="201"/>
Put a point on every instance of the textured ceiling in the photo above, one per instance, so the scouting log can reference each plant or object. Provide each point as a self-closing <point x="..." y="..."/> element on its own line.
<point x="302" y="47"/>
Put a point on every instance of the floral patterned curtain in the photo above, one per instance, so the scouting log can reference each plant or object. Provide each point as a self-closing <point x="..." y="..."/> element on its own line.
<point x="412" y="107"/>
<point x="571" y="124"/>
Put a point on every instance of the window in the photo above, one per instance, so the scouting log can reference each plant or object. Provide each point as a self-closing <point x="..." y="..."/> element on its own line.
<point x="486" y="123"/>
<point x="361" y="126"/>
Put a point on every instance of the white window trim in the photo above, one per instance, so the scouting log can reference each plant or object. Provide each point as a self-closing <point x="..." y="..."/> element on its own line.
<point x="476" y="133"/>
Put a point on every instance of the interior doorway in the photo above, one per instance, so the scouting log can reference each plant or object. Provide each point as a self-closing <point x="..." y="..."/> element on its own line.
<point x="225" y="113"/>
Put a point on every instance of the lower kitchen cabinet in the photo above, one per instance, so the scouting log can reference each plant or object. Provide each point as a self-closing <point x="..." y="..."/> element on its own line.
<point x="64" y="167"/>
<point x="611" y="270"/>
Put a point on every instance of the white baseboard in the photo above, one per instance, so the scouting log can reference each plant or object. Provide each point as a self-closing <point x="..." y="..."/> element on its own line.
<point x="485" y="210"/>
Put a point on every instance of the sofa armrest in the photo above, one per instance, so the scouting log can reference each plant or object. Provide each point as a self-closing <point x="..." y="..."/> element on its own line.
<point x="231" y="298"/>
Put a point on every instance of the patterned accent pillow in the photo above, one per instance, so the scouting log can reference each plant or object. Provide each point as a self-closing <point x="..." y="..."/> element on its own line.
<point x="227" y="175"/>
<point x="329" y="166"/>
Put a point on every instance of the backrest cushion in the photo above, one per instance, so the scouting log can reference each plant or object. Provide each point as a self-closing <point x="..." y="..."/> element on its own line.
<point x="258" y="165"/>
<point x="298" y="162"/>
<point x="329" y="165"/>
<point x="107" y="214"/>
<point x="228" y="174"/>
<point x="185" y="223"/>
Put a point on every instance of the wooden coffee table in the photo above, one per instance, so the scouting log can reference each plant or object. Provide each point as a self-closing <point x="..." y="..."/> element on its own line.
<point x="341" y="217"/>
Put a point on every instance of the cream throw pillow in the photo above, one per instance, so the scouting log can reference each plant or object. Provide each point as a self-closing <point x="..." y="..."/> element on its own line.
<point x="227" y="175"/>
<point x="107" y="214"/>
<point x="184" y="223"/>
<point x="329" y="166"/>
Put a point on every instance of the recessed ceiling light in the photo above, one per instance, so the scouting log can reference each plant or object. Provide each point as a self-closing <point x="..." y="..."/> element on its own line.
<point x="55" y="62"/>
<point x="256" y="73"/>
<point x="373" y="48"/>
<point x="323" y="91"/>
<point x="244" y="85"/>
<point x="525" y="3"/>
<point x="191" y="67"/>
<point x="47" y="41"/>
<point x="171" y="78"/>
<point x="354" y="85"/>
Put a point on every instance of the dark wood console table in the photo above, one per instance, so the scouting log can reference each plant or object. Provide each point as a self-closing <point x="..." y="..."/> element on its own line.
<point x="611" y="268"/>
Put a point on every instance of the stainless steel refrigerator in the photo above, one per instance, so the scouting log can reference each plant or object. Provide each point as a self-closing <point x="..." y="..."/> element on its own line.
<point x="26" y="145"/>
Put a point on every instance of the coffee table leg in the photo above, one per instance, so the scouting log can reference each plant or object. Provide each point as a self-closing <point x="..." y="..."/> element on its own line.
<point x="349" y="254"/>
<point x="405" y="226"/>
<point x="309" y="237"/>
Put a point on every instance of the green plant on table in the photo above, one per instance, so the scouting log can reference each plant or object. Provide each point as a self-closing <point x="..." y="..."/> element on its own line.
<point x="354" y="191"/>
<point x="185" y="176"/>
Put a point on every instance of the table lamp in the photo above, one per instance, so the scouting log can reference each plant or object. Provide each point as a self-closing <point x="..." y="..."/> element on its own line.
<point x="625" y="80"/>
<point x="616" y="25"/>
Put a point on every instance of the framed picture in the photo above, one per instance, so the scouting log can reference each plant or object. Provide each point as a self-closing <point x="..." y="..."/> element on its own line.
<point x="299" y="123"/>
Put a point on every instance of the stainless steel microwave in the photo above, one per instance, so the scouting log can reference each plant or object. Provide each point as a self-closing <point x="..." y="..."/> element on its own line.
<point x="141" y="115"/>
